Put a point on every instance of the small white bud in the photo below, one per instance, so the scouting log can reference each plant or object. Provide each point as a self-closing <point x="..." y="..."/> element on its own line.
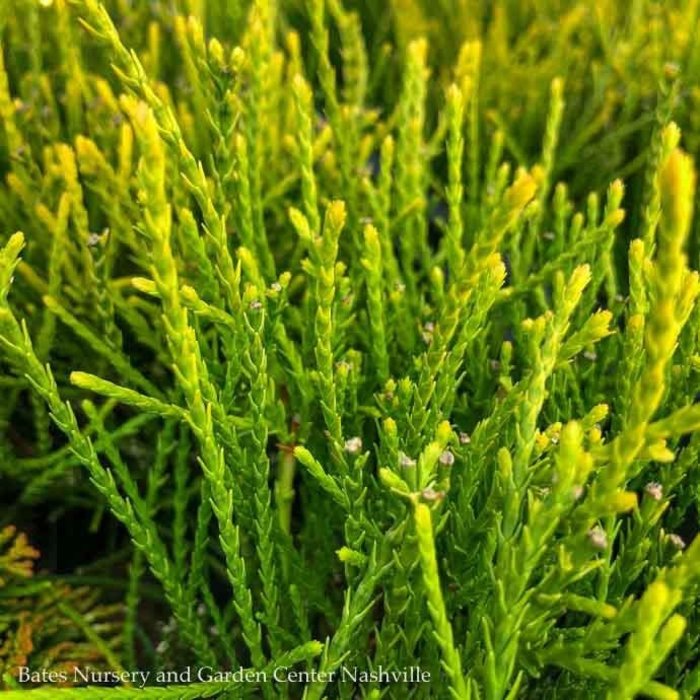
<point x="431" y="494"/>
<point x="447" y="459"/>
<point x="406" y="461"/>
<point x="598" y="537"/>
<point x="677" y="541"/>
<point x="353" y="445"/>
<point x="655" y="490"/>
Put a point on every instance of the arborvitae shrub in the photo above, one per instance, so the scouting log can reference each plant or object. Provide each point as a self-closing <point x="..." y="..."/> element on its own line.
<point x="309" y="323"/>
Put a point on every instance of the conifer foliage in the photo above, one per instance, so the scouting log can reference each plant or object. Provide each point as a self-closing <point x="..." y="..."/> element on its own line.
<point x="366" y="337"/>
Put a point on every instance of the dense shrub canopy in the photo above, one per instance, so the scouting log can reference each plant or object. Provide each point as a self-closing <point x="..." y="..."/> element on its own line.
<point x="349" y="339"/>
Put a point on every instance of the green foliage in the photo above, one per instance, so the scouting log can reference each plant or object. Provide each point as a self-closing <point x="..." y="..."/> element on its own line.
<point x="328" y="318"/>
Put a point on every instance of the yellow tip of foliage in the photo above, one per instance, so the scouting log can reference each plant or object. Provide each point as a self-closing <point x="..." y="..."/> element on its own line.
<point x="541" y="441"/>
<point x="15" y="244"/>
<point x="617" y="188"/>
<point x="301" y="86"/>
<point x="371" y="235"/>
<point x="671" y="137"/>
<point x="538" y="174"/>
<point x="79" y="379"/>
<point x="350" y="556"/>
<point x="144" y="285"/>
<point x="521" y="191"/>
<point x="444" y="432"/>
<point x="677" y="184"/>
<point x="418" y="49"/>
<point x="336" y="214"/>
<point x="623" y="501"/>
<point x="657" y="594"/>
<point x="455" y="96"/>
<point x="599" y="412"/>
<point x="557" y="87"/>
<point x="637" y="249"/>
<point x="602" y="320"/>
<point x="659" y="452"/>
<point x="390" y="427"/>
<point x="50" y="302"/>
<point x="87" y="149"/>
<point x="595" y="435"/>
<point x="636" y="323"/>
<point x="496" y="265"/>
<point x="571" y="435"/>
<point x="505" y="463"/>
<point x="216" y="52"/>
<point x="300" y="223"/>
<point x="393" y="481"/>
<point x="580" y="278"/>
<point x="238" y="58"/>
<point x="607" y="611"/>
<point x="616" y="218"/>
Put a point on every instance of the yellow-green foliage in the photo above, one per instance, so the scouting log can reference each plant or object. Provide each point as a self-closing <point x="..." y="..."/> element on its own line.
<point x="359" y="336"/>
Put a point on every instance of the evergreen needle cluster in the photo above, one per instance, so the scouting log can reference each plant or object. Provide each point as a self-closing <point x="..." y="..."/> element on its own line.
<point x="355" y="338"/>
